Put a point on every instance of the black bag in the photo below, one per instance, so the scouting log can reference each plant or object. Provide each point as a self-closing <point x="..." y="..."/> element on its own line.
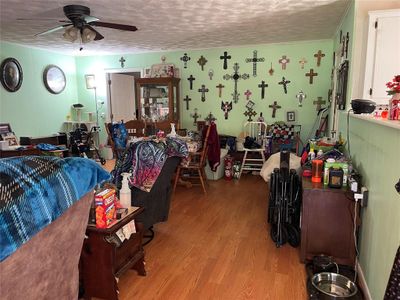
<point x="250" y="143"/>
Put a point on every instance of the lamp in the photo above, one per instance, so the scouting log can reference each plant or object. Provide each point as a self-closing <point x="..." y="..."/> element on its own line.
<point x="91" y="85"/>
<point x="71" y="34"/>
<point x="87" y="35"/>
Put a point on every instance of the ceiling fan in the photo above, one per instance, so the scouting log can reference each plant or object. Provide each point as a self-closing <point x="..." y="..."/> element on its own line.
<point x="80" y="22"/>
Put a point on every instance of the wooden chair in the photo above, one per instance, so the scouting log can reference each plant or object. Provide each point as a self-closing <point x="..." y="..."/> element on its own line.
<point x="136" y="128"/>
<point x="195" y="168"/>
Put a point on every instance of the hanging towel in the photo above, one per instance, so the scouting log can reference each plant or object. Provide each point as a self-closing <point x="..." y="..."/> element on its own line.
<point x="393" y="287"/>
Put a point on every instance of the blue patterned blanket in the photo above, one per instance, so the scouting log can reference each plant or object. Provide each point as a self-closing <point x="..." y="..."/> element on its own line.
<point x="36" y="190"/>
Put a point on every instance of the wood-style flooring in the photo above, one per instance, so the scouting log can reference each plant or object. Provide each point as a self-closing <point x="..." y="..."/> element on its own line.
<point x="217" y="247"/>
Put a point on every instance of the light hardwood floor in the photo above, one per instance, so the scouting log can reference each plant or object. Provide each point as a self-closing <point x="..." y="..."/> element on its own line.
<point x="217" y="247"/>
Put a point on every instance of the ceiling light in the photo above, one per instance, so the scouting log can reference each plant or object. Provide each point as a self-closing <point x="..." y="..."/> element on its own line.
<point x="88" y="35"/>
<point x="71" y="34"/>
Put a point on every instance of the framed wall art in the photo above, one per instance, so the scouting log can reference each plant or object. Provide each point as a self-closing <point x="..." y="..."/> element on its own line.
<point x="11" y="74"/>
<point x="291" y="116"/>
<point x="54" y="79"/>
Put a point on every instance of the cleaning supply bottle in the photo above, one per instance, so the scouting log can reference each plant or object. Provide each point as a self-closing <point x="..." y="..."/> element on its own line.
<point x="125" y="192"/>
<point x="311" y="154"/>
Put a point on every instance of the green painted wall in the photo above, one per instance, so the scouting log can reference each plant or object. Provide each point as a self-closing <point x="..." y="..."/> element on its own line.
<point x="32" y="110"/>
<point x="294" y="51"/>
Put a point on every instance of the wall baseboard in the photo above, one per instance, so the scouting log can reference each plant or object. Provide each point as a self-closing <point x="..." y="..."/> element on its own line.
<point x="363" y="283"/>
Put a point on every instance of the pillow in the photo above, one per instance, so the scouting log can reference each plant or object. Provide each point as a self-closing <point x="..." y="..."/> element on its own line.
<point x="274" y="162"/>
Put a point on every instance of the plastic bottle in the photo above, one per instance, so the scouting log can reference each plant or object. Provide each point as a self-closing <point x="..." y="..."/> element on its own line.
<point x="320" y="153"/>
<point x="311" y="154"/>
<point x="125" y="192"/>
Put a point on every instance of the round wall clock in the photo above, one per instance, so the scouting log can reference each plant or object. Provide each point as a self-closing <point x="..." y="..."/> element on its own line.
<point x="54" y="79"/>
<point x="11" y="74"/>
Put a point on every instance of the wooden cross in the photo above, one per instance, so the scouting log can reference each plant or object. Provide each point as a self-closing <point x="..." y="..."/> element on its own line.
<point x="301" y="96"/>
<point x="271" y="71"/>
<point x="236" y="76"/>
<point x="302" y="62"/>
<point x="187" y="99"/>
<point x="195" y="116"/>
<point x="274" y="108"/>
<point x="122" y="61"/>
<point x="185" y="58"/>
<point x="283" y="61"/>
<point x="319" y="55"/>
<point x="220" y="87"/>
<point x="250" y="113"/>
<point x="347" y="43"/>
<point x="311" y="74"/>
<point x="226" y="108"/>
<point x="262" y="86"/>
<point x="203" y="92"/>
<point x="210" y="118"/>
<point x="191" y="78"/>
<point x="284" y="82"/>
<point x="318" y="103"/>
<point x="202" y="61"/>
<point x="225" y="57"/>
<point x="255" y="60"/>
<point x="247" y="94"/>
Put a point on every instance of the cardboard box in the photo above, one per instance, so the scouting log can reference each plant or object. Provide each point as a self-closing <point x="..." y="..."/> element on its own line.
<point x="105" y="208"/>
<point x="337" y="165"/>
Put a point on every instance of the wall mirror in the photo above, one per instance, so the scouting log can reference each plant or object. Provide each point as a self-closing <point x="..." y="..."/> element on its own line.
<point x="54" y="79"/>
<point x="11" y="74"/>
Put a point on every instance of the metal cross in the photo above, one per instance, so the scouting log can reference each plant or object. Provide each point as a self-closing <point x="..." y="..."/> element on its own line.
<point x="271" y="71"/>
<point x="203" y="92"/>
<point x="311" y="74"/>
<point x="226" y="108"/>
<point x="319" y="55"/>
<point x="236" y="76"/>
<point x="255" y="60"/>
<point x="211" y="73"/>
<point x="302" y="62"/>
<point x="185" y="58"/>
<point x="195" y="116"/>
<point x="283" y="61"/>
<point x="220" y="87"/>
<point x="284" y="82"/>
<point x="191" y="78"/>
<point x="202" y="61"/>
<point x="262" y="86"/>
<point x="250" y="113"/>
<point x="225" y="57"/>
<point x="122" y="61"/>
<point x="319" y="103"/>
<point x="247" y="94"/>
<point x="301" y="96"/>
<point x="187" y="99"/>
<point x="210" y="118"/>
<point x="274" y="107"/>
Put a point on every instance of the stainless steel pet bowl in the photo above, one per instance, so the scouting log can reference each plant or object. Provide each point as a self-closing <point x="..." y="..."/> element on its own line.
<point x="334" y="285"/>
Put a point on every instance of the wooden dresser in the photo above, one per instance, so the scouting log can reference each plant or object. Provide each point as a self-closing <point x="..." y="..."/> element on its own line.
<point x="23" y="152"/>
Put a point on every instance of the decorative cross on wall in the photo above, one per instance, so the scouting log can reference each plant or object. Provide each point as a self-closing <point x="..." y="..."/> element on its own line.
<point x="211" y="73"/>
<point x="301" y="96"/>
<point x="319" y="55"/>
<point x="247" y="94"/>
<point x="311" y="74"/>
<point x="187" y="99"/>
<point x="203" y="92"/>
<point x="262" y="86"/>
<point x="283" y="61"/>
<point x="226" y="108"/>
<point x="271" y="71"/>
<point x="319" y="103"/>
<point x="220" y="87"/>
<point x="347" y="44"/>
<point x="250" y="113"/>
<point x="185" y="58"/>
<point x="302" y="62"/>
<point x="274" y="108"/>
<point x="236" y="76"/>
<point x="191" y="78"/>
<point x="202" y="61"/>
<point x="122" y="61"/>
<point x="255" y="60"/>
<point x="284" y="82"/>
<point x="210" y="118"/>
<point x="225" y="57"/>
<point x="195" y="116"/>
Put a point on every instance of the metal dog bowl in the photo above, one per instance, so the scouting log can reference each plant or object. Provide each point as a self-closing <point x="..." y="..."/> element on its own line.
<point x="334" y="286"/>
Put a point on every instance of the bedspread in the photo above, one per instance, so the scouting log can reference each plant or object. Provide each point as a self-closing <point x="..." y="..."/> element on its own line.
<point x="36" y="190"/>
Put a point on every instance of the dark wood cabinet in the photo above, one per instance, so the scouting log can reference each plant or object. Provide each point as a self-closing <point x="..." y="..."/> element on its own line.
<point x="22" y="152"/>
<point x="327" y="223"/>
<point x="103" y="260"/>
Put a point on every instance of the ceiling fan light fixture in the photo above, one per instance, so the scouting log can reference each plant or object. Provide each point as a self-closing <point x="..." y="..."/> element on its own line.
<point x="88" y="35"/>
<point x="71" y="34"/>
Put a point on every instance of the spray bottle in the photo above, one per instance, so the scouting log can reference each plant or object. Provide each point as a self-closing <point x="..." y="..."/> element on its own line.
<point x="125" y="192"/>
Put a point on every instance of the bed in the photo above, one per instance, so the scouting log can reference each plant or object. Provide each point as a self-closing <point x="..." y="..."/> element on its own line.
<point x="44" y="209"/>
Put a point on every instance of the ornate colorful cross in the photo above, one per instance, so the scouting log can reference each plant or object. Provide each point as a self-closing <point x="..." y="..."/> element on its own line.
<point x="284" y="82"/>
<point x="202" y="61"/>
<point x="319" y="103"/>
<point x="225" y="57"/>
<point x="226" y="108"/>
<point x="319" y="55"/>
<point x="122" y="61"/>
<point x="262" y="86"/>
<point x="185" y="58"/>
<point x="247" y="94"/>
<point x="195" y="116"/>
<point x="187" y="99"/>
<point x="250" y="113"/>
<point x="191" y="78"/>
<point x="301" y="96"/>
<point x="274" y="107"/>
<point x="203" y="92"/>
<point x="220" y="87"/>
<point x="283" y="61"/>
<point x="255" y="60"/>
<point x="311" y="74"/>
<point x="302" y="62"/>
<point x="271" y="71"/>
<point x="210" y="118"/>
<point x="236" y="76"/>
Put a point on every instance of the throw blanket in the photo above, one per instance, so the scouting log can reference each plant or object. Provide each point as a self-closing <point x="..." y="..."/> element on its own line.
<point x="214" y="150"/>
<point x="36" y="190"/>
<point x="145" y="159"/>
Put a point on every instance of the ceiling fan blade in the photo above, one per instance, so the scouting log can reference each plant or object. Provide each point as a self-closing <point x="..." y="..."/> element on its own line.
<point x="89" y="19"/>
<point x="98" y="35"/>
<point x="53" y="29"/>
<point x="42" y="19"/>
<point x="114" y="26"/>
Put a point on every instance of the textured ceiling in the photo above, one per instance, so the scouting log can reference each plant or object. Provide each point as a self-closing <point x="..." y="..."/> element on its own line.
<point x="174" y="24"/>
